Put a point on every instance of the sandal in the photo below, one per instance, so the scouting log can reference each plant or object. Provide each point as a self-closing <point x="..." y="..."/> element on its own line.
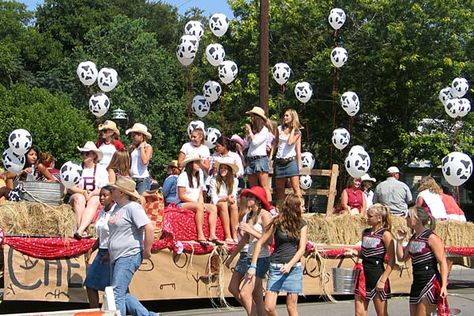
<point x="77" y="236"/>
<point x="203" y="243"/>
<point x="84" y="235"/>
<point x="216" y="242"/>
<point x="229" y="241"/>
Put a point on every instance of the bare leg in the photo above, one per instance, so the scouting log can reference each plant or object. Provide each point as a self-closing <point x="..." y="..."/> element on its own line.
<point x="258" y="297"/>
<point x="212" y="210"/>
<point x="223" y="210"/>
<point x="295" y="184"/>
<point x="198" y="217"/>
<point x="292" y="304"/>
<point x="78" y="202"/>
<point x="89" y="213"/>
<point x="253" y="180"/>
<point x="280" y="189"/>
<point x="234" y="285"/>
<point x="263" y="179"/>
<point x="234" y="220"/>
<point x="270" y="303"/>
<point x="246" y="295"/>
<point x="380" y="306"/>
<point x="93" y="296"/>
<point x="361" y="306"/>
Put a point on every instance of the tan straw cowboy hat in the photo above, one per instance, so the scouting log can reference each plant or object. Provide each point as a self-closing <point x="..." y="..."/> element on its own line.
<point x="139" y="128"/>
<point x="126" y="185"/>
<point x="256" y="110"/>
<point x="189" y="158"/>
<point x="234" y="167"/>
<point x="109" y="125"/>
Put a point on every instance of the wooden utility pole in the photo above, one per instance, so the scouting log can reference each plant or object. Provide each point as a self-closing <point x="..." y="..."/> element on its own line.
<point x="264" y="59"/>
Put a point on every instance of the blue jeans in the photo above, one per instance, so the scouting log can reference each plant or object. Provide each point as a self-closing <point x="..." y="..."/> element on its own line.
<point x="143" y="184"/>
<point x="122" y="272"/>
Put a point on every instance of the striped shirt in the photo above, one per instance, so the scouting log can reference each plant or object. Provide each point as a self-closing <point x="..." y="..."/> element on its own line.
<point x="422" y="256"/>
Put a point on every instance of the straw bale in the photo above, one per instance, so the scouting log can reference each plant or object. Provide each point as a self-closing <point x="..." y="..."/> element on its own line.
<point x="36" y="219"/>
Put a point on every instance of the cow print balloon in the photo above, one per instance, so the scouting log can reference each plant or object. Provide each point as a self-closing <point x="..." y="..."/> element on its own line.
<point x="218" y="24"/>
<point x="211" y="137"/>
<point x="281" y="73"/>
<point x="303" y="91"/>
<point x="341" y="138"/>
<point x="350" y="103"/>
<point x="459" y="87"/>
<point x="196" y="124"/>
<point x="195" y="28"/>
<point x="183" y="60"/>
<point x="108" y="79"/>
<point x="336" y="18"/>
<point x="307" y="160"/>
<point x="211" y="91"/>
<point x="339" y="57"/>
<point x="71" y="174"/>
<point x="306" y="182"/>
<point x="12" y="162"/>
<point x="87" y="73"/>
<point x="445" y="95"/>
<point x="20" y="141"/>
<point x="228" y="71"/>
<point x="99" y="104"/>
<point x="457" y="168"/>
<point x="357" y="163"/>
<point x="464" y="108"/>
<point x="215" y="54"/>
<point x="200" y="106"/>
<point x="187" y="47"/>
<point x="453" y="107"/>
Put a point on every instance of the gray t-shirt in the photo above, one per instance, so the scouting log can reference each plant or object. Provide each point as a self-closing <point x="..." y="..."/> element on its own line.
<point x="126" y="230"/>
<point x="395" y="194"/>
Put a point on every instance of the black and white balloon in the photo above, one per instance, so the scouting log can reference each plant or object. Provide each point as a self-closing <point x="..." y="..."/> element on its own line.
<point x="215" y="54"/>
<point x="196" y="124"/>
<point x="350" y="103"/>
<point x="12" y="162"/>
<point x="339" y="57"/>
<point x="445" y="95"/>
<point x="71" y="174"/>
<point x="187" y="47"/>
<point x="183" y="60"/>
<point x="107" y="79"/>
<point x="200" y="106"/>
<point x="20" y="141"/>
<point x="228" y="71"/>
<point x="195" y="28"/>
<point x="307" y="160"/>
<point x="336" y="18"/>
<point x="212" y="135"/>
<point x="457" y="168"/>
<point x="453" y="107"/>
<point x="99" y="104"/>
<point x="341" y="138"/>
<point x="459" y="87"/>
<point x="87" y="73"/>
<point x="211" y="91"/>
<point x="281" y="73"/>
<point x="303" y="91"/>
<point x="218" y="24"/>
<point x="305" y="182"/>
<point x="465" y="107"/>
<point x="357" y="162"/>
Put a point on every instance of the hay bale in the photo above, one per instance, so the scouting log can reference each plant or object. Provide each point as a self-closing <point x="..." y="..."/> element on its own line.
<point x="347" y="229"/>
<point x="35" y="219"/>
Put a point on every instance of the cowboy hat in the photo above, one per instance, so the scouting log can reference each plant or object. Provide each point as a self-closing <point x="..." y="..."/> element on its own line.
<point x="126" y="185"/>
<point x="260" y="194"/>
<point x="139" y="128"/>
<point x="173" y="163"/>
<point x="256" y="110"/>
<point x="234" y="167"/>
<point x="109" y="125"/>
<point x="366" y="177"/>
<point x="90" y="146"/>
<point x="393" y="169"/>
<point x="189" y="158"/>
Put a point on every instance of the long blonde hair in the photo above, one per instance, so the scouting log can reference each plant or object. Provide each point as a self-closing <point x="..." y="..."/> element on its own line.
<point x="428" y="183"/>
<point x="295" y="119"/>
<point x="384" y="212"/>
<point x="423" y="216"/>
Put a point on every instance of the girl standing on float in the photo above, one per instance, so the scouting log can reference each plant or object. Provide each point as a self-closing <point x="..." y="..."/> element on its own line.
<point x="254" y="227"/>
<point x="119" y="165"/>
<point x="108" y="142"/>
<point x="377" y="241"/>
<point x="257" y="160"/>
<point x="141" y="153"/>
<point x="426" y="250"/>
<point x="288" y="156"/>
<point x="289" y="231"/>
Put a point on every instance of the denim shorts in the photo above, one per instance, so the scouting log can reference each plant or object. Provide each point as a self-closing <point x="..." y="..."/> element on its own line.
<point x="262" y="266"/>
<point x="98" y="274"/>
<point x="242" y="265"/>
<point x="291" y="283"/>
<point x="143" y="184"/>
<point x="286" y="171"/>
<point x="257" y="165"/>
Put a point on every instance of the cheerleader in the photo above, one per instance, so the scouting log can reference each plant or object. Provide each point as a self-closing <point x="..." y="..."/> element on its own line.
<point x="426" y="250"/>
<point x="377" y="241"/>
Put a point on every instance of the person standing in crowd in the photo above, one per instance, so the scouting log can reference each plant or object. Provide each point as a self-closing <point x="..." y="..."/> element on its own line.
<point x="254" y="225"/>
<point x="119" y="165"/>
<point x="426" y="251"/>
<point x="393" y="193"/>
<point x="353" y="199"/>
<point x="98" y="274"/>
<point x="367" y="184"/>
<point x="130" y="241"/>
<point x="288" y="157"/>
<point x="377" y="241"/>
<point x="289" y="231"/>
<point x="257" y="160"/>
<point x="141" y="153"/>
<point x="85" y="196"/>
<point x="108" y="142"/>
<point x="170" y="188"/>
<point x="429" y="198"/>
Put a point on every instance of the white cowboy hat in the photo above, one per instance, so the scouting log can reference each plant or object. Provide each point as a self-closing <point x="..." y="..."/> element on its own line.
<point x="257" y="111"/>
<point x="90" y="146"/>
<point x="126" y="185"/>
<point x="189" y="158"/>
<point x="109" y="125"/>
<point x="366" y="177"/>
<point x="139" y="128"/>
<point x="234" y="167"/>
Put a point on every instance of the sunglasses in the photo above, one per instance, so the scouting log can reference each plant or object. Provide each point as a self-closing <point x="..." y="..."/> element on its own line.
<point x="86" y="153"/>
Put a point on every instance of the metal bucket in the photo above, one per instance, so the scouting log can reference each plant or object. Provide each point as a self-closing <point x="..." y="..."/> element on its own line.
<point x="343" y="280"/>
<point x="452" y="311"/>
<point x="45" y="192"/>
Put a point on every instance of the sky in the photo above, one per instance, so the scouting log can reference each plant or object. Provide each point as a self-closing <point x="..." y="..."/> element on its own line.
<point x="209" y="6"/>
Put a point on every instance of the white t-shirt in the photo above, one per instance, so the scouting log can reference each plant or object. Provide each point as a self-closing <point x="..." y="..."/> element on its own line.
<point x="102" y="228"/>
<point x="108" y="150"/>
<point x="89" y="182"/>
<point x="284" y="150"/>
<point x="194" y="192"/>
<point x="138" y="169"/>
<point x="223" y="192"/>
<point x="435" y="203"/>
<point x="258" y="145"/>
<point x="202" y="151"/>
